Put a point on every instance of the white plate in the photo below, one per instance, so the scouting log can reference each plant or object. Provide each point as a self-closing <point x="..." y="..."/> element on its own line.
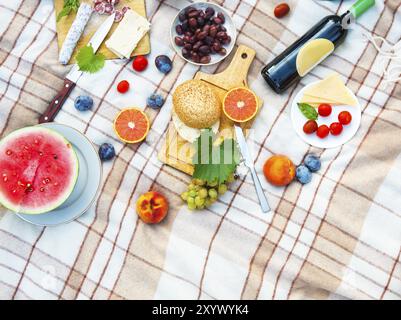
<point x="229" y="25"/>
<point x="298" y="121"/>
<point x="87" y="186"/>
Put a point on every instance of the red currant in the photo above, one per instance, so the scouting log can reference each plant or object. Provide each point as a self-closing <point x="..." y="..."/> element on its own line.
<point x="123" y="86"/>
<point x="140" y="63"/>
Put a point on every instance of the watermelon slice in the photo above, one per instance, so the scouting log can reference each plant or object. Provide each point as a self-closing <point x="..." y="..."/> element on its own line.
<point x="38" y="170"/>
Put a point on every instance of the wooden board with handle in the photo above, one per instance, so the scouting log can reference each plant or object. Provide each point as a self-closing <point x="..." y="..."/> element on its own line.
<point x="64" y="24"/>
<point x="177" y="152"/>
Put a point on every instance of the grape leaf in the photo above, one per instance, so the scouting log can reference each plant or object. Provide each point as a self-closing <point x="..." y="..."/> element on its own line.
<point x="69" y="5"/>
<point x="88" y="61"/>
<point x="308" y="111"/>
<point x="214" y="162"/>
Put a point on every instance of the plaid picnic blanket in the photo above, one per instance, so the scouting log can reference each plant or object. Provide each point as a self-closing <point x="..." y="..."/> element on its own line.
<point x="337" y="237"/>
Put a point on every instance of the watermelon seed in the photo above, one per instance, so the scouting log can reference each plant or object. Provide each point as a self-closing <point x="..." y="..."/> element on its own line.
<point x="29" y="187"/>
<point x="36" y="141"/>
<point x="4" y="174"/>
<point x="26" y="147"/>
<point x="9" y="152"/>
<point x="14" y="191"/>
<point x="5" y="179"/>
<point x="42" y="189"/>
<point x="55" y="156"/>
<point x="56" y="184"/>
<point x="21" y="184"/>
<point x="40" y="153"/>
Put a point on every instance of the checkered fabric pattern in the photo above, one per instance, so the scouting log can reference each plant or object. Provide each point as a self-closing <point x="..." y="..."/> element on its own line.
<point x="337" y="237"/>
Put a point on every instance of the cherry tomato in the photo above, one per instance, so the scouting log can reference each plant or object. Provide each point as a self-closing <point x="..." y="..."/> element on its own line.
<point x="336" y="128"/>
<point x="281" y="10"/>
<point x="324" y="110"/>
<point x="344" y="117"/>
<point x="310" y="126"/>
<point x="123" y="86"/>
<point x="140" y="63"/>
<point x="323" y="131"/>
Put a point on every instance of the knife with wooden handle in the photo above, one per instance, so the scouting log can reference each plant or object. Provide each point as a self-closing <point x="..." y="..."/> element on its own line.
<point x="72" y="77"/>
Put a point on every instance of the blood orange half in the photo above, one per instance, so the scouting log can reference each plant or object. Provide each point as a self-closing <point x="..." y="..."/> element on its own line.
<point x="240" y="104"/>
<point x="131" y="125"/>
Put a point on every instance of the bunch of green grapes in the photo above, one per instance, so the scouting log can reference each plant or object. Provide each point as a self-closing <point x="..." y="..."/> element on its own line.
<point x="202" y="194"/>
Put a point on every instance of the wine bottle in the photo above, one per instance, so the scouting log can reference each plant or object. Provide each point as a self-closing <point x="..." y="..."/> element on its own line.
<point x="312" y="48"/>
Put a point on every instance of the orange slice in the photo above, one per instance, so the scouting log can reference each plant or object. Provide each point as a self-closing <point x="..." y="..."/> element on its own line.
<point x="240" y="104"/>
<point x="131" y="125"/>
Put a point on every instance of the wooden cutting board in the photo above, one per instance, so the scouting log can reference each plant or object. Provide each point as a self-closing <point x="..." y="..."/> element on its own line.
<point x="177" y="152"/>
<point x="95" y="21"/>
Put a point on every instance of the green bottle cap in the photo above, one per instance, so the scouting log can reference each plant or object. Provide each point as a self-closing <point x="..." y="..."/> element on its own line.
<point x="360" y="7"/>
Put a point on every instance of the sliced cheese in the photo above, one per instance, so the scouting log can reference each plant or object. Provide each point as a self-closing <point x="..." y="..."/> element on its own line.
<point x="311" y="99"/>
<point x="312" y="53"/>
<point x="331" y="88"/>
<point x="188" y="133"/>
<point x="129" y="32"/>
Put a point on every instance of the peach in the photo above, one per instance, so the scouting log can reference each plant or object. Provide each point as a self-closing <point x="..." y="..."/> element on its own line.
<point x="152" y="207"/>
<point x="279" y="170"/>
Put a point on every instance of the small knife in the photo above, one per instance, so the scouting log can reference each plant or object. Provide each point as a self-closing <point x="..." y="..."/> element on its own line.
<point x="72" y="77"/>
<point x="249" y="163"/>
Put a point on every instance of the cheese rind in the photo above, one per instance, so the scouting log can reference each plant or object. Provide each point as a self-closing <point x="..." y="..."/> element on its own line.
<point x="127" y="35"/>
<point x="332" y="89"/>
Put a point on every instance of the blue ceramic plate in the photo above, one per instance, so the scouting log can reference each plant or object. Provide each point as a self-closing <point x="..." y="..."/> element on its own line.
<point x="88" y="183"/>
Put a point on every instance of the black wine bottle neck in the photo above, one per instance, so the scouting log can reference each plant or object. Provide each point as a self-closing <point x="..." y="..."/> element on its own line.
<point x="347" y="19"/>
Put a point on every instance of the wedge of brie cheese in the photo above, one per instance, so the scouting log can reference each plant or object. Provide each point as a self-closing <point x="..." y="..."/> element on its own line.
<point x="127" y="35"/>
<point x="188" y="133"/>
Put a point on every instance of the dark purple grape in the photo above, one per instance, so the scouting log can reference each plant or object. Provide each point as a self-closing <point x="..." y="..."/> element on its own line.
<point x="179" y="41"/>
<point x="193" y="14"/>
<point x="221" y="16"/>
<point x="208" y="40"/>
<point x="193" y="23"/>
<point x="181" y="16"/>
<point x="205" y="59"/>
<point x="209" y="12"/>
<point x="201" y="21"/>
<point x="204" y="49"/>
<point x="186" y="53"/>
<point x="178" y="29"/>
<point x="217" y="20"/>
<point x="185" y="26"/>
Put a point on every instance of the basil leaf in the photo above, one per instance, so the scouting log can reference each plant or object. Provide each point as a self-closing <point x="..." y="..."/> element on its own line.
<point x="308" y="111"/>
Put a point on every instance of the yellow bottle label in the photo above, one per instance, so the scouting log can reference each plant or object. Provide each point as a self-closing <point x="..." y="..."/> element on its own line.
<point x="312" y="53"/>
